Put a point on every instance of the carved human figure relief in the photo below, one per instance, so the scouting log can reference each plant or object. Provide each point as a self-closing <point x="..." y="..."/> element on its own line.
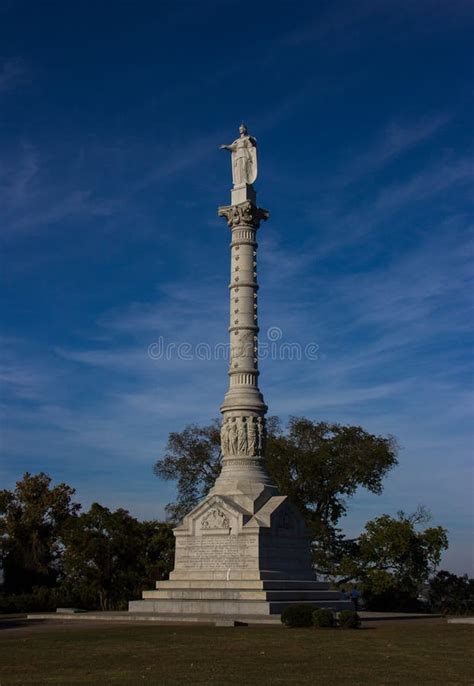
<point x="261" y="435"/>
<point x="233" y="438"/>
<point x="242" y="434"/>
<point x="252" y="438"/>
<point x="215" y="519"/>
<point x="225" y="437"/>
<point x="244" y="158"/>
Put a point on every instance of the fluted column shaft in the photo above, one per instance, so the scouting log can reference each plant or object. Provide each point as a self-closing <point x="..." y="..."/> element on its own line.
<point x="243" y="426"/>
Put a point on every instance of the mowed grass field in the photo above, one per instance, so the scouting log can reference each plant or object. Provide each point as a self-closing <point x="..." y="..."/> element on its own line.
<point x="87" y="653"/>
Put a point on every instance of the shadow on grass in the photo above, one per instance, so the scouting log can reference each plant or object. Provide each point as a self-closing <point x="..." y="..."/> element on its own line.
<point x="17" y="622"/>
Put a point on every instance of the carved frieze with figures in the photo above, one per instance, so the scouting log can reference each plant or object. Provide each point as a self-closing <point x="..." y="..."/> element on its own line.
<point x="243" y="436"/>
<point x="215" y="519"/>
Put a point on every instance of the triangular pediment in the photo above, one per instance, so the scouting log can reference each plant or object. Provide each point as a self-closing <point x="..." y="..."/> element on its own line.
<point x="215" y="513"/>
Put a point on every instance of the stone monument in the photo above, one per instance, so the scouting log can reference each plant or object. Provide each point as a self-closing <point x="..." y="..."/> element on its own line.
<point x="244" y="550"/>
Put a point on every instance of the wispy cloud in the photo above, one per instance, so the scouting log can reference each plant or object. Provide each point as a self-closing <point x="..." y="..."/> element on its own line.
<point x="31" y="197"/>
<point x="346" y="225"/>
<point x="396" y="139"/>
<point x="38" y="190"/>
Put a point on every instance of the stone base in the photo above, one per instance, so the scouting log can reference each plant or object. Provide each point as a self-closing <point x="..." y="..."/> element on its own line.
<point x="242" y="536"/>
<point x="212" y="598"/>
<point x="240" y="554"/>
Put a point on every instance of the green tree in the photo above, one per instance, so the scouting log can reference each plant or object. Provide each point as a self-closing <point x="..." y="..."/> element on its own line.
<point x="32" y="520"/>
<point x="318" y="465"/>
<point x="158" y="552"/>
<point x="451" y="594"/>
<point x="193" y="459"/>
<point x="110" y="557"/>
<point x="392" y="559"/>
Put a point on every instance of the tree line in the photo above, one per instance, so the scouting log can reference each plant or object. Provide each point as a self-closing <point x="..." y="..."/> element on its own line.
<point x="53" y="553"/>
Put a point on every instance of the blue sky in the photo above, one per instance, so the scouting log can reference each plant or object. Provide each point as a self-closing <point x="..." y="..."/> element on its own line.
<point x="110" y="176"/>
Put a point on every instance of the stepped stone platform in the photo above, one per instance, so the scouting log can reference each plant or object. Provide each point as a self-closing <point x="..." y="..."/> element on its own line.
<point x="236" y="598"/>
<point x="240" y="555"/>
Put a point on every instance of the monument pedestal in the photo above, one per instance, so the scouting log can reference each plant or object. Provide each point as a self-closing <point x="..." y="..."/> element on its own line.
<point x="231" y="560"/>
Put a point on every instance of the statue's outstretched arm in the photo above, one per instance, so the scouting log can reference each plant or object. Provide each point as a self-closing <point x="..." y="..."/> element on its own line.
<point x="230" y="147"/>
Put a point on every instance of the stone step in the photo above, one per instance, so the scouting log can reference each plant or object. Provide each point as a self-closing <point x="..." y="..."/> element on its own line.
<point x="235" y="575"/>
<point x="243" y="584"/>
<point x="227" y="607"/>
<point x="240" y="594"/>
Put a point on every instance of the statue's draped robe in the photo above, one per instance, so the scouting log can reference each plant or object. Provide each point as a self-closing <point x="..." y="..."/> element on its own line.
<point x="244" y="160"/>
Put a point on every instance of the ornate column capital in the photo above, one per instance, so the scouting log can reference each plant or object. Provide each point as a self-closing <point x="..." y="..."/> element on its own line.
<point x="246" y="214"/>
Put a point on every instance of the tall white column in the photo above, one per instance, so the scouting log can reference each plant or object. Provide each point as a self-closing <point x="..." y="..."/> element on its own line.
<point x="243" y="424"/>
<point x="243" y="535"/>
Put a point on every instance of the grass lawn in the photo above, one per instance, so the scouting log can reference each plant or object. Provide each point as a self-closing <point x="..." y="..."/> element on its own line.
<point x="127" y="654"/>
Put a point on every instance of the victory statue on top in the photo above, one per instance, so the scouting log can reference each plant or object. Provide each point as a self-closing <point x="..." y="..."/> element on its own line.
<point x="244" y="158"/>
